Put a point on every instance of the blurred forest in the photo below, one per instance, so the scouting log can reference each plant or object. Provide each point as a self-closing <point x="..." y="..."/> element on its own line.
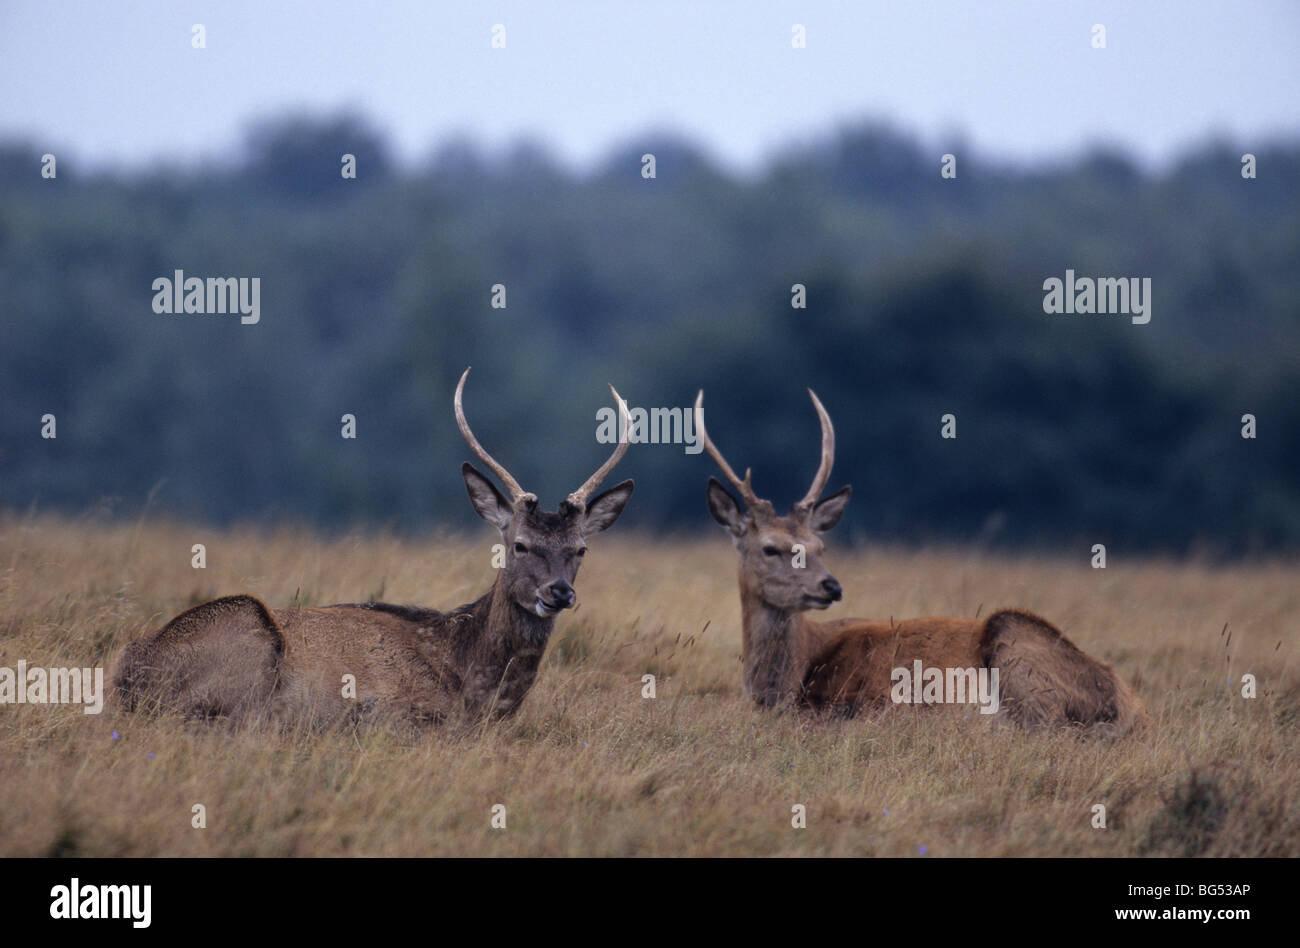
<point x="924" y="296"/>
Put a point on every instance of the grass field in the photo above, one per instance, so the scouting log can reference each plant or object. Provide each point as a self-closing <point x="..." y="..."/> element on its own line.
<point x="590" y="767"/>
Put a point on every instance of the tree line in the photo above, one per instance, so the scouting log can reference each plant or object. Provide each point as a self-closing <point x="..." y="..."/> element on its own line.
<point x="922" y="297"/>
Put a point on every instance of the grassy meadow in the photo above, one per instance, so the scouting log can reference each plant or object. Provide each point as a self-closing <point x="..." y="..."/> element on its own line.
<point x="589" y="767"/>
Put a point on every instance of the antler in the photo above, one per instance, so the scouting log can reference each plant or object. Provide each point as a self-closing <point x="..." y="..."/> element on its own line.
<point x="828" y="458"/>
<point x="580" y="496"/>
<point x="744" y="486"/>
<point x="517" y="493"/>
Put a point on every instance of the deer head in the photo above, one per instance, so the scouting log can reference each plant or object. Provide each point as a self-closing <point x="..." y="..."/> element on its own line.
<point x="780" y="557"/>
<point x="543" y="549"/>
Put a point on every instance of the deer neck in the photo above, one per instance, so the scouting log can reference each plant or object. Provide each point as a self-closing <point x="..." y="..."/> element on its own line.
<point x="502" y="651"/>
<point x="774" y="651"/>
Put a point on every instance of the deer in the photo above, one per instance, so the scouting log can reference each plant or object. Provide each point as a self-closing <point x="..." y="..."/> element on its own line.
<point x="848" y="665"/>
<point x="235" y="658"/>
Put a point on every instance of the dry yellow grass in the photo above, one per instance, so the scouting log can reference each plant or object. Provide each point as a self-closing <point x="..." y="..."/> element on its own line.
<point x="589" y="767"/>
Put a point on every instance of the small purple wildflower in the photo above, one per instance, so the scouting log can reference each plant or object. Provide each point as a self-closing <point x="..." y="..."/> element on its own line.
<point x="922" y="850"/>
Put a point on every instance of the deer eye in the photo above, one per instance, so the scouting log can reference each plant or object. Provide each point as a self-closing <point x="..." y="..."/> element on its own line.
<point x="771" y="551"/>
<point x="580" y="553"/>
<point x="521" y="549"/>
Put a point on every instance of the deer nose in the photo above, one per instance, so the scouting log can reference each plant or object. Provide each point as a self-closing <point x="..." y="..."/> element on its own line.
<point x="832" y="588"/>
<point x="561" y="593"/>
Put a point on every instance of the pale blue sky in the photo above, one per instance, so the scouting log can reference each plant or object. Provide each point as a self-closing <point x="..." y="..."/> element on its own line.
<point x="118" y="83"/>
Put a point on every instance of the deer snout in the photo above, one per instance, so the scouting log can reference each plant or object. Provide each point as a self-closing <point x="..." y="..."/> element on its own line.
<point x="832" y="588"/>
<point x="560" y="593"/>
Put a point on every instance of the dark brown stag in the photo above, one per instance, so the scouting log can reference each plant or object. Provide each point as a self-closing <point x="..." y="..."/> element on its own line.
<point x="235" y="657"/>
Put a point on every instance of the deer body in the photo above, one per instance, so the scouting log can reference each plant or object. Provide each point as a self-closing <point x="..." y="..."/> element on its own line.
<point x="850" y="664"/>
<point x="234" y="657"/>
<point x="854" y="661"/>
<point x="787" y="657"/>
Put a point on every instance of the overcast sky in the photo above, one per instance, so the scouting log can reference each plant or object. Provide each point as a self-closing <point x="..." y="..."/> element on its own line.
<point x="119" y="83"/>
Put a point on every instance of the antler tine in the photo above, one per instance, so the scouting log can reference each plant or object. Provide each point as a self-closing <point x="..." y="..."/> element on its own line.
<point x="743" y="485"/>
<point x="517" y="493"/>
<point x="580" y="496"/>
<point x="828" y="456"/>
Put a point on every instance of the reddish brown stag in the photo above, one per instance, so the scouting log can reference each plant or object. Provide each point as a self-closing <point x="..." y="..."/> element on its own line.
<point x="234" y="657"/>
<point x="1041" y="677"/>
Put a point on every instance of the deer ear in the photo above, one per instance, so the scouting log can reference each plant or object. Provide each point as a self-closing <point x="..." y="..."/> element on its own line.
<point x="604" y="510"/>
<point x="489" y="502"/>
<point x="828" y="511"/>
<point x="725" y="509"/>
